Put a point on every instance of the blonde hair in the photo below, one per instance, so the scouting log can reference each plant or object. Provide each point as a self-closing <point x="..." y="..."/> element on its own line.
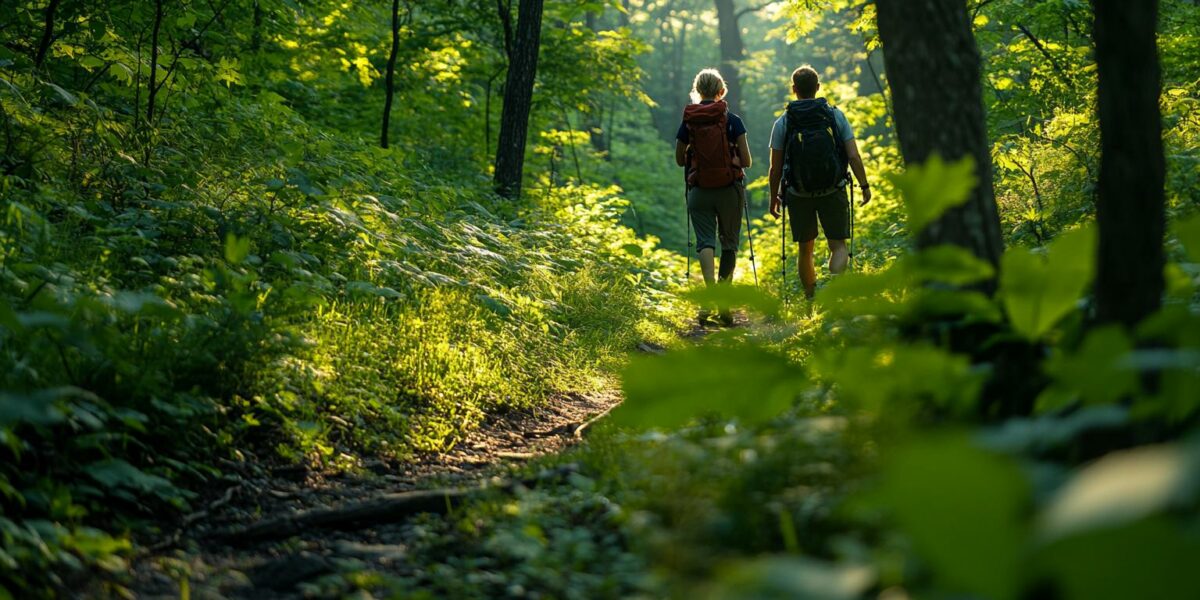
<point x="708" y="84"/>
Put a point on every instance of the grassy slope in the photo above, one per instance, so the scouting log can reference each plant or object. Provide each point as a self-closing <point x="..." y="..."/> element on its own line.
<point x="270" y="287"/>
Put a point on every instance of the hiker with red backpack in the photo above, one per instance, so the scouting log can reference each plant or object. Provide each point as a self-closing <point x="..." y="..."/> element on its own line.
<point x="712" y="145"/>
<point x="812" y="150"/>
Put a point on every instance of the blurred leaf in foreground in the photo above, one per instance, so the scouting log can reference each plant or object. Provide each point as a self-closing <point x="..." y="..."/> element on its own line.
<point x="739" y="380"/>
<point x="961" y="506"/>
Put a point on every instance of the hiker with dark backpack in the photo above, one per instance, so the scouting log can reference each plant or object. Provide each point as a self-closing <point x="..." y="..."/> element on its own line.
<point x="712" y="145"/>
<point x="812" y="150"/>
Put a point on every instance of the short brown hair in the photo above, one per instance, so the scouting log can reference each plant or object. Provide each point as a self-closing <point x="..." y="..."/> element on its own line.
<point x="805" y="81"/>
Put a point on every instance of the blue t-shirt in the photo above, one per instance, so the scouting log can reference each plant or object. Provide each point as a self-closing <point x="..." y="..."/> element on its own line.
<point x="779" y="130"/>
<point x="734" y="128"/>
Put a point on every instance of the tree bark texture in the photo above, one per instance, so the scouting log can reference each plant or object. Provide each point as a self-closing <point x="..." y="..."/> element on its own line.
<point x="933" y="68"/>
<point x="389" y="82"/>
<point x="733" y="50"/>
<point x="1130" y="207"/>
<point x="518" y="99"/>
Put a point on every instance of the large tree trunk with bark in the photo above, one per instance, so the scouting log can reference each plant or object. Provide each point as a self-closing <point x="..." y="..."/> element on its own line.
<point x="933" y="66"/>
<point x="518" y="99"/>
<point x="733" y="50"/>
<point x="1130" y="204"/>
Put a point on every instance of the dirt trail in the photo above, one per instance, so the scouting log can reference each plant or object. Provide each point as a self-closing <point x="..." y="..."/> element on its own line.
<point x="212" y="552"/>
<point x="222" y="563"/>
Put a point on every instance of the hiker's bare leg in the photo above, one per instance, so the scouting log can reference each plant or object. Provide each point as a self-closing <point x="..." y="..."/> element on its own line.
<point x="707" y="266"/>
<point x="839" y="256"/>
<point x="808" y="273"/>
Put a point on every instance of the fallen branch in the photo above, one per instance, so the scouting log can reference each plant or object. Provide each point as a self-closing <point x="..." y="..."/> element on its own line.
<point x="388" y="508"/>
<point x="578" y="431"/>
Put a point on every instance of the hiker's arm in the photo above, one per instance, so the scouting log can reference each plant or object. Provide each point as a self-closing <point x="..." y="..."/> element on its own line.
<point x="743" y="150"/>
<point x="680" y="153"/>
<point x="775" y="176"/>
<point x="860" y="172"/>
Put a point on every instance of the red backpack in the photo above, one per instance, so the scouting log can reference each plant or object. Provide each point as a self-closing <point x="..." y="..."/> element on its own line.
<point x="710" y="162"/>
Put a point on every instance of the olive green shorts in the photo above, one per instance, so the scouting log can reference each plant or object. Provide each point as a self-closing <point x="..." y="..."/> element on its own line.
<point x="831" y="210"/>
<point x="717" y="213"/>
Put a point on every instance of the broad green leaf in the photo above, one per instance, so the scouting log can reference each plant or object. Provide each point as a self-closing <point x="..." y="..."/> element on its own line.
<point x="741" y="381"/>
<point x="633" y="249"/>
<point x="854" y="294"/>
<point x="236" y="248"/>
<point x="1188" y="232"/>
<point x="961" y="507"/>
<point x="1154" y="559"/>
<point x="895" y="379"/>
<point x="934" y="187"/>
<point x="1097" y="371"/>
<point x="1124" y="487"/>
<point x="116" y="473"/>
<point x="1038" y="291"/>
<point x="948" y="264"/>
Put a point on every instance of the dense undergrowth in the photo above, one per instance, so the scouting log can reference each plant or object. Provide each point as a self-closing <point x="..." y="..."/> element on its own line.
<point x="254" y="285"/>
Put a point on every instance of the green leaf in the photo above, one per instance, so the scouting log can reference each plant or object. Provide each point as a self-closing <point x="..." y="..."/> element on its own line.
<point x="1038" y="291"/>
<point x="1150" y="559"/>
<point x="961" y="506"/>
<point x="948" y="264"/>
<point x="67" y="97"/>
<point x="236" y="248"/>
<point x="929" y="190"/>
<point x="1188" y="232"/>
<point x="116" y="473"/>
<point x="893" y="378"/>
<point x="1124" y="487"/>
<point x="854" y="294"/>
<point x="1098" y="370"/>
<point x="740" y="380"/>
<point x="633" y="249"/>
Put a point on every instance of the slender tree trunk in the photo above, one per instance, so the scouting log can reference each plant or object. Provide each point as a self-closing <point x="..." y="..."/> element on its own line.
<point x="152" y="88"/>
<point x="933" y="66"/>
<point x="47" y="34"/>
<point x="256" y="33"/>
<point x="733" y="50"/>
<point x="1130" y="204"/>
<point x="391" y="75"/>
<point x="518" y="99"/>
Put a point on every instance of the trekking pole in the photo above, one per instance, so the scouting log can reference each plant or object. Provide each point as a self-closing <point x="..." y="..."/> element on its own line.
<point x="852" y="227"/>
<point x="783" y="251"/>
<point x="687" y="210"/>
<point x="750" y="239"/>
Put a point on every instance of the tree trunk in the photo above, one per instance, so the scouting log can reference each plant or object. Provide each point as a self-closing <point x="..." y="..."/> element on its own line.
<point x="389" y="81"/>
<point x="47" y="34"/>
<point x="152" y="89"/>
<point x="1130" y="204"/>
<point x="733" y="50"/>
<point x="933" y="66"/>
<point x="518" y="99"/>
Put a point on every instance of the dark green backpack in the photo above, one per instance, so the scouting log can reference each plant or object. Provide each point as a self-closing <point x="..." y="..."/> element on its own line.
<point x="814" y="156"/>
